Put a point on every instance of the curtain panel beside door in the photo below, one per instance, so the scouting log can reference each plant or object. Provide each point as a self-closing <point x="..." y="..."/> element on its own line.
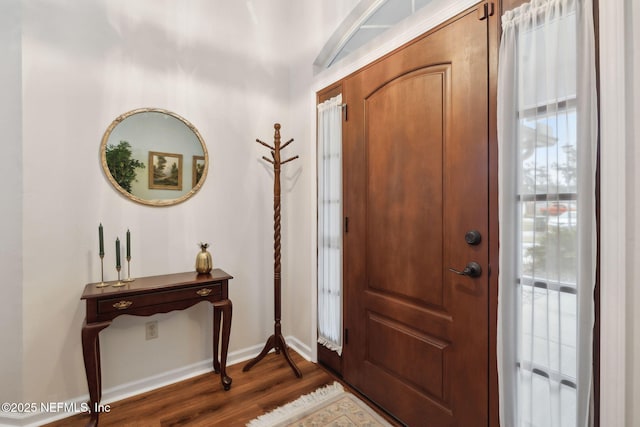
<point x="330" y="224"/>
<point x="547" y="136"/>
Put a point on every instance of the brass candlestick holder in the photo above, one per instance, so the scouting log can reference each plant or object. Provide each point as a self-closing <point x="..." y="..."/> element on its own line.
<point x="128" y="279"/>
<point x="119" y="283"/>
<point x="102" y="284"/>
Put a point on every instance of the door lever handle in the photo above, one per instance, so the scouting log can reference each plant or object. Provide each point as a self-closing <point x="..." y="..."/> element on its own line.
<point x="472" y="269"/>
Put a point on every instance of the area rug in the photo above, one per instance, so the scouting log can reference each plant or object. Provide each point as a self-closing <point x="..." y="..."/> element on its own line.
<point x="327" y="406"/>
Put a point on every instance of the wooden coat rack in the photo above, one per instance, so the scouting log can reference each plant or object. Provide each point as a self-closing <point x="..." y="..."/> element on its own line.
<point x="276" y="341"/>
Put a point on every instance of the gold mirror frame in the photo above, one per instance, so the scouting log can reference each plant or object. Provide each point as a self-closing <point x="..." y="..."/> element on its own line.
<point x="155" y="202"/>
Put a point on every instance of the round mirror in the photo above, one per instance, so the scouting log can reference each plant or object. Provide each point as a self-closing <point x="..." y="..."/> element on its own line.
<point x="154" y="157"/>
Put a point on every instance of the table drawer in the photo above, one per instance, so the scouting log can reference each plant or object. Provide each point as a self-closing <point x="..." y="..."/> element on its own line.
<point x="125" y="303"/>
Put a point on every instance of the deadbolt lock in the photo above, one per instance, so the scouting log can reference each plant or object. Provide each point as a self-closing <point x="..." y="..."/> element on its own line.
<point x="473" y="237"/>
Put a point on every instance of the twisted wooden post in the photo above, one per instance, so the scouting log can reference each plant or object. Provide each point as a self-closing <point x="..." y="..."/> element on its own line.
<point x="276" y="341"/>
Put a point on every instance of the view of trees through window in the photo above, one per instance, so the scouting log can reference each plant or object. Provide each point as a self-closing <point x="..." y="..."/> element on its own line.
<point x="548" y="245"/>
<point x="548" y="196"/>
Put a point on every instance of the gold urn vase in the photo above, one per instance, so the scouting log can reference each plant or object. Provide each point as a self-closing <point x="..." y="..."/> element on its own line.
<point x="204" y="262"/>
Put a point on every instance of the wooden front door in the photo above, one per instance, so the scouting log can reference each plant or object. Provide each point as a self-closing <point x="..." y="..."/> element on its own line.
<point x="416" y="182"/>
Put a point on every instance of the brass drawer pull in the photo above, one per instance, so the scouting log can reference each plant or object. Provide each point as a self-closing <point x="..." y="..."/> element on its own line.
<point x="204" y="292"/>
<point x="122" y="305"/>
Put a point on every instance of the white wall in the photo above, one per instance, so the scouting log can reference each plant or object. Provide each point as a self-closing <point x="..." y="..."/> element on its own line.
<point x="231" y="68"/>
<point x="11" y="206"/>
<point x="84" y="63"/>
<point x="619" y="198"/>
<point x="632" y="15"/>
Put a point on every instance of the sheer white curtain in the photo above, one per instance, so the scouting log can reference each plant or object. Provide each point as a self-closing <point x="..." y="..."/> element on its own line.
<point x="330" y="223"/>
<point x="547" y="133"/>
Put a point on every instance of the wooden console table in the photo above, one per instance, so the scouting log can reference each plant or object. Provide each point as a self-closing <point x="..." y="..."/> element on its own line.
<point x="150" y="295"/>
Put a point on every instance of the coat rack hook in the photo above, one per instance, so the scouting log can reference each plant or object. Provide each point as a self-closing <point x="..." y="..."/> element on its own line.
<point x="265" y="144"/>
<point x="288" y="160"/>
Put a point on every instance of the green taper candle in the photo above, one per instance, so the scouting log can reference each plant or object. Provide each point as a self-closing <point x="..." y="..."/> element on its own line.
<point x="128" y="244"/>
<point x="101" y="238"/>
<point x="118" y="252"/>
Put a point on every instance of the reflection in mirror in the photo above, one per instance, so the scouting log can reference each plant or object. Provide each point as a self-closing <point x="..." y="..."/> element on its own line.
<point x="154" y="157"/>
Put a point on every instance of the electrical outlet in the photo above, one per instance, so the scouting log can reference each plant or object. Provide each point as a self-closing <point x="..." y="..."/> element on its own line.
<point x="151" y="329"/>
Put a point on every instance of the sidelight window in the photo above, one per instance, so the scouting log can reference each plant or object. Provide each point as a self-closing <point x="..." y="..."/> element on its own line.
<point x="547" y="126"/>
<point x="330" y="223"/>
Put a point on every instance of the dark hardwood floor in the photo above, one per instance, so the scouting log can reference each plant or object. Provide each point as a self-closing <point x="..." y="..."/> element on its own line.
<point x="201" y="401"/>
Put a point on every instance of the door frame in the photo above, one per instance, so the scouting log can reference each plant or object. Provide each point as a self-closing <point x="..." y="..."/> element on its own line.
<point x="326" y="82"/>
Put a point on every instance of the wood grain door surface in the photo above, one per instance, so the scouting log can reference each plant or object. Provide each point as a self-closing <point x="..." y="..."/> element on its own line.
<point x="416" y="180"/>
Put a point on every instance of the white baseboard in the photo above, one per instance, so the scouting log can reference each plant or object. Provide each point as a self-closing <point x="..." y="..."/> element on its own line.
<point x="134" y="388"/>
<point x="300" y="348"/>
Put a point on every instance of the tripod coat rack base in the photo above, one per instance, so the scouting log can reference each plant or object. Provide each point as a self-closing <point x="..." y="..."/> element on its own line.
<point x="276" y="341"/>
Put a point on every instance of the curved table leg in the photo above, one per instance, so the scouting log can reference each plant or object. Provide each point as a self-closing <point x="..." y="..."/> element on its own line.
<point x="217" y="315"/>
<point x="222" y="309"/>
<point x="91" y="355"/>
